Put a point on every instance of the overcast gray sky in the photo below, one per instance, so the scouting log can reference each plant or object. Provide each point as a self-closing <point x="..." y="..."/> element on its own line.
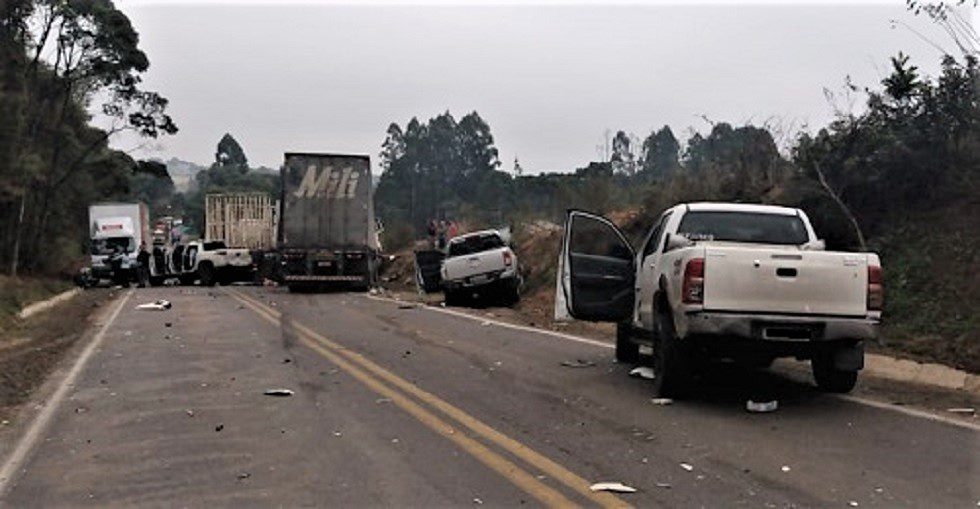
<point x="549" y="79"/>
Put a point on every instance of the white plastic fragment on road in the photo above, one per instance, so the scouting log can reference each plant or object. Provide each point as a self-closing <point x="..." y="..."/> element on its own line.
<point x="687" y="466"/>
<point x="662" y="401"/>
<point x="761" y="406"/>
<point x="159" y="305"/>
<point x="643" y="372"/>
<point x="964" y="410"/>
<point x="785" y="468"/>
<point x="852" y="503"/>
<point x="614" y="487"/>
<point x="663" y="485"/>
<point x="278" y="392"/>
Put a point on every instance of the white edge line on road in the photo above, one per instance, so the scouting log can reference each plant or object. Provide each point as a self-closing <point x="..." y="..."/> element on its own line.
<point x="922" y="414"/>
<point x="16" y="459"/>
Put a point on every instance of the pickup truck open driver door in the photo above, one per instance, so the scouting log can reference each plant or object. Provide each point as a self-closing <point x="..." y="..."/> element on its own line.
<point x="596" y="272"/>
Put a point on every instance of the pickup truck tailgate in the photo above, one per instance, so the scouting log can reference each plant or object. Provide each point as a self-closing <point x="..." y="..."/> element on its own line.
<point x="459" y="267"/>
<point x="785" y="281"/>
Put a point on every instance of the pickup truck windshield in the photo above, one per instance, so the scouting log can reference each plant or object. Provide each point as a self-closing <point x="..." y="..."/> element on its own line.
<point x="113" y="245"/>
<point x="475" y="244"/>
<point x="743" y="227"/>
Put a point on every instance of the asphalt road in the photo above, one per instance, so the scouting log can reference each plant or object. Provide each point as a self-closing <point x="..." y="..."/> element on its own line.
<point x="406" y="406"/>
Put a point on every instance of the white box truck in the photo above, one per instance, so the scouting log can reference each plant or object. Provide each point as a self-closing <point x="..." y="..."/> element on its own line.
<point x="116" y="231"/>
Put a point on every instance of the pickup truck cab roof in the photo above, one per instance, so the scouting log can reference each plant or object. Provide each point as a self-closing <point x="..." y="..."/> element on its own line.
<point x="740" y="207"/>
<point x="461" y="238"/>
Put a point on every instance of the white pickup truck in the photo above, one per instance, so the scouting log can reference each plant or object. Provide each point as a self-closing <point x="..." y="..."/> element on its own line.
<point x="480" y="263"/>
<point x="211" y="262"/>
<point x="748" y="283"/>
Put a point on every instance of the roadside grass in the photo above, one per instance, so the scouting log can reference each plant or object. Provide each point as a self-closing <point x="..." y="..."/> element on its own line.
<point x="16" y="293"/>
<point x="932" y="286"/>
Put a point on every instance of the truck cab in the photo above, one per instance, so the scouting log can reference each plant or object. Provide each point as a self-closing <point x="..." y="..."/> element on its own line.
<point x="743" y="282"/>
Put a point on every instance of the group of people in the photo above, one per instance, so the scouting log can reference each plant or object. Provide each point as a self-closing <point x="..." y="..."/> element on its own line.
<point x="440" y="231"/>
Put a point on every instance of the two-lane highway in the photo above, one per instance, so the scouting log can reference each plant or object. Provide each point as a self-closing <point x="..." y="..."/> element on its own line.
<point x="409" y="406"/>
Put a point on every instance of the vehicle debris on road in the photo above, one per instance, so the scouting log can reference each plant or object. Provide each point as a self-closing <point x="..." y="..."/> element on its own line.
<point x="578" y="363"/>
<point x="159" y="305"/>
<point x="662" y="401"/>
<point x="642" y="372"/>
<point x="614" y="487"/>
<point x="964" y="410"/>
<point x="785" y="468"/>
<point x="279" y="392"/>
<point x="687" y="466"/>
<point x="761" y="406"/>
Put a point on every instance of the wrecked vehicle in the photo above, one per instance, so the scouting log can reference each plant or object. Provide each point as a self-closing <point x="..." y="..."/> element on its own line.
<point x="480" y="263"/>
<point x="116" y="231"/>
<point x="716" y="280"/>
<point x="211" y="262"/>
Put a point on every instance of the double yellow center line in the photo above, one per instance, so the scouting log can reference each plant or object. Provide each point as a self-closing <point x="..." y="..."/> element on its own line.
<point x="426" y="407"/>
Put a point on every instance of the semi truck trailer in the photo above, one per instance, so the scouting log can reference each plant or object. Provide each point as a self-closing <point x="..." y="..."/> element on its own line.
<point x="328" y="236"/>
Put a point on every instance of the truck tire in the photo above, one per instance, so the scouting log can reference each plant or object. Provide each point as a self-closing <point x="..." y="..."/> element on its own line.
<point x="626" y="350"/>
<point x="451" y="297"/>
<point x="207" y="274"/>
<point x="828" y="377"/>
<point x="671" y="361"/>
<point x="511" y="293"/>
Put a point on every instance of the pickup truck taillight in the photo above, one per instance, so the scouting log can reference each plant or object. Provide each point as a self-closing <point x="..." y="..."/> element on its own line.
<point x="508" y="259"/>
<point x="876" y="288"/>
<point x="692" y="290"/>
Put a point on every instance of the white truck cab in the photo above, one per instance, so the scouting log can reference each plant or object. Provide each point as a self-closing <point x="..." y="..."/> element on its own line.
<point x="722" y="280"/>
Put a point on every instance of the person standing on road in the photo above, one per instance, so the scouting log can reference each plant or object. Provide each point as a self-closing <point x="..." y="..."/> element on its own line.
<point x="143" y="266"/>
<point x="432" y="232"/>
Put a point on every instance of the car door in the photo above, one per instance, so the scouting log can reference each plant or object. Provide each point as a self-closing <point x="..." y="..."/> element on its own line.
<point x="596" y="270"/>
<point x="646" y="272"/>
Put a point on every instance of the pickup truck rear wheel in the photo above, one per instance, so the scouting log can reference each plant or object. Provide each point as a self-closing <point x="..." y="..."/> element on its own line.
<point x="207" y="274"/>
<point x="626" y="350"/>
<point x="671" y="361"/>
<point x="829" y="378"/>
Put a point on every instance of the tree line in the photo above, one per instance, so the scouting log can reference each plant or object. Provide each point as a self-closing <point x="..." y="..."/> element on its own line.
<point x="58" y="58"/>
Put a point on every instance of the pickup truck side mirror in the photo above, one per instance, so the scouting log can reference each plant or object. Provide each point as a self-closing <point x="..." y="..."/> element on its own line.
<point x="676" y="242"/>
<point x="815" y="245"/>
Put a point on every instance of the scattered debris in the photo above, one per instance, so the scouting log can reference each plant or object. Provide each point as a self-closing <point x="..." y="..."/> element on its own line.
<point x="761" y="406"/>
<point x="852" y="503"/>
<point x="485" y="324"/>
<point x="279" y="392"/>
<point x="662" y="401"/>
<point x="407" y="305"/>
<point x="382" y="400"/>
<point x="4" y="422"/>
<point x="612" y="486"/>
<point x="477" y="501"/>
<point x="785" y="468"/>
<point x="394" y="440"/>
<point x="160" y="305"/>
<point x="687" y="466"/>
<point x="964" y="410"/>
<point x="287" y="360"/>
<point x="879" y="490"/>
<point x="190" y="413"/>
<point x="642" y="372"/>
<point x="337" y="434"/>
<point x="244" y="475"/>
<point x="81" y="410"/>
<point x="219" y="427"/>
<point x="578" y="363"/>
<point x="168" y="324"/>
